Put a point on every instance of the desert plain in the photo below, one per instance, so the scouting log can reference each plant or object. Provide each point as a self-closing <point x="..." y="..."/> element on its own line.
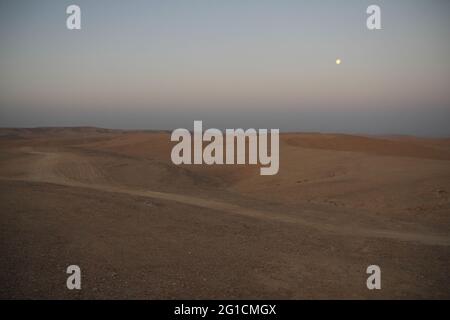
<point x="140" y="227"/>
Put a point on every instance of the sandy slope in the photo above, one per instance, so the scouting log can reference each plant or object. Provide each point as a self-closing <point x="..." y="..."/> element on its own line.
<point x="339" y="204"/>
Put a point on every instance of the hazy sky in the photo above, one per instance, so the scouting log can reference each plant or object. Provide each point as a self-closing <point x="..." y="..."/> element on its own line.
<point x="231" y="63"/>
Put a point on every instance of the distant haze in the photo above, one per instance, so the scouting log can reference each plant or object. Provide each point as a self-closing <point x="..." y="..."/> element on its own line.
<point x="231" y="63"/>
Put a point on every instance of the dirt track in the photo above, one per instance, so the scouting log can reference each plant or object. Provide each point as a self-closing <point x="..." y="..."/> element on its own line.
<point x="45" y="170"/>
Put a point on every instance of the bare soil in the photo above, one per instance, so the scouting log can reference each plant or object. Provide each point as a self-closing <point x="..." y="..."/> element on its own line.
<point x="140" y="227"/>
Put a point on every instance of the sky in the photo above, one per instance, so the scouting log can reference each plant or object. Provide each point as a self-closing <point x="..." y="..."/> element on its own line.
<point x="236" y="63"/>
